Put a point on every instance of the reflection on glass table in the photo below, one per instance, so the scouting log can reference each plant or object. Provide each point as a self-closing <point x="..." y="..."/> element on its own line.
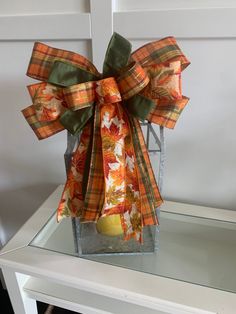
<point x="192" y="249"/>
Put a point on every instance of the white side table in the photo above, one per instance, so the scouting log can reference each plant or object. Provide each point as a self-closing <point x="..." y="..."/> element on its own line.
<point x="192" y="272"/>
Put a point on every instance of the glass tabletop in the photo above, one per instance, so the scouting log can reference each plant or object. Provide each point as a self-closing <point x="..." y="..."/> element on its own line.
<point x="191" y="249"/>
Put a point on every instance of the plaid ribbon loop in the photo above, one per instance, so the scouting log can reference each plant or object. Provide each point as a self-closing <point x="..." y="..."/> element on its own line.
<point x="132" y="80"/>
<point x="48" y="101"/>
<point x="110" y="170"/>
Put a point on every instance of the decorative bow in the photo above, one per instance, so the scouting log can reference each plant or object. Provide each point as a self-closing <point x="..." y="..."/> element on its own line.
<point x="110" y="170"/>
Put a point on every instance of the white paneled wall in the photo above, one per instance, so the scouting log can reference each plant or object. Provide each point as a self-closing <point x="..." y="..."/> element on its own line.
<point x="201" y="151"/>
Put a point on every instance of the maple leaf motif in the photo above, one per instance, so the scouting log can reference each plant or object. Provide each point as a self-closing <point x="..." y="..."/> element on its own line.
<point x="118" y="177"/>
<point x="114" y="130"/>
<point x="73" y="186"/>
<point x="45" y="114"/>
<point x="130" y="194"/>
<point x="114" y="196"/>
<point x="78" y="161"/>
<point x="108" y="142"/>
<point x="130" y="162"/>
<point x="135" y="220"/>
<point x="109" y="158"/>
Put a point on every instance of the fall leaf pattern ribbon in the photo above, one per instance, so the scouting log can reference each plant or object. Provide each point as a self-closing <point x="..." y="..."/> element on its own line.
<point x="110" y="170"/>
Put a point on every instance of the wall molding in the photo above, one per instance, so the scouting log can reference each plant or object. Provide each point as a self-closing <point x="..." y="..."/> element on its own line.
<point x="195" y="23"/>
<point x="198" y="23"/>
<point x="45" y="27"/>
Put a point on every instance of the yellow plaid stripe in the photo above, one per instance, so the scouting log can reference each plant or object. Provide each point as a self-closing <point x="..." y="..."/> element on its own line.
<point x="80" y="96"/>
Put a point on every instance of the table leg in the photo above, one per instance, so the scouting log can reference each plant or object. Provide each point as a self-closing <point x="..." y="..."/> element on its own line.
<point x="20" y="302"/>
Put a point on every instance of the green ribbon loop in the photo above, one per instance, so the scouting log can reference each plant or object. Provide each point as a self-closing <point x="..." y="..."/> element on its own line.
<point x="117" y="55"/>
<point x="74" y="121"/>
<point x="66" y="74"/>
<point x="140" y="106"/>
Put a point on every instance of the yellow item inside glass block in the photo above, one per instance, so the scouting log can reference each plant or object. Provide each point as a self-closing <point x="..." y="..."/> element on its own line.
<point x="110" y="225"/>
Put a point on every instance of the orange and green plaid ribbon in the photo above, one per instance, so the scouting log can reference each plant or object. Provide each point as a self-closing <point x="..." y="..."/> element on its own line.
<point x="110" y="170"/>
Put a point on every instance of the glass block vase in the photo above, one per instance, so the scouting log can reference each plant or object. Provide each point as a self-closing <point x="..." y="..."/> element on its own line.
<point x="86" y="238"/>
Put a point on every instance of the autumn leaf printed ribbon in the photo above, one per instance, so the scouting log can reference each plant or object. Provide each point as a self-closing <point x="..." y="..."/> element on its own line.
<point x="110" y="169"/>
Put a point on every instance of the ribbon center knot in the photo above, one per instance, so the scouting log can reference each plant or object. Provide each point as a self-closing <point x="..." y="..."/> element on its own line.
<point x="107" y="91"/>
